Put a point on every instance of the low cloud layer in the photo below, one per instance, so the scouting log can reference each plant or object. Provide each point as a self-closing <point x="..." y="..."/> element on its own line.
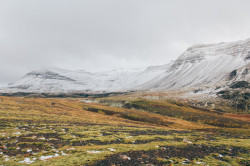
<point x="98" y="35"/>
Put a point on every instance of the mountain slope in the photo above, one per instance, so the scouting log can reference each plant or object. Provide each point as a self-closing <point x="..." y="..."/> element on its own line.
<point x="201" y="66"/>
<point x="208" y="65"/>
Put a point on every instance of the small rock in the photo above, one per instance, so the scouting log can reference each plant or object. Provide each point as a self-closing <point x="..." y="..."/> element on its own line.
<point x="111" y="149"/>
<point x="220" y="155"/>
<point x="200" y="163"/>
<point x="145" y="156"/>
<point x="71" y="149"/>
<point x="187" y="161"/>
<point x="17" y="133"/>
<point x="64" y="154"/>
<point x="125" y="157"/>
<point x="42" y="138"/>
<point x="29" y="150"/>
<point x="187" y="141"/>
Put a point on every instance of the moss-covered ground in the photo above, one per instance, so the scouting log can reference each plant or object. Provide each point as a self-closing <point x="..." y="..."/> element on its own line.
<point x="39" y="131"/>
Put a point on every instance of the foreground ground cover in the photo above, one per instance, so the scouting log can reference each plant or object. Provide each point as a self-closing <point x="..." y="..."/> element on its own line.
<point x="38" y="131"/>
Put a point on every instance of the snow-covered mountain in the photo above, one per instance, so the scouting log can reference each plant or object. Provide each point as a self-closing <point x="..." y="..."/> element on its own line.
<point x="211" y="65"/>
<point x="64" y="81"/>
<point x="201" y="66"/>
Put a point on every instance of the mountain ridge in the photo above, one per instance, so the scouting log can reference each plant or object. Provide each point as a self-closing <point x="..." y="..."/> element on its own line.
<point x="209" y="65"/>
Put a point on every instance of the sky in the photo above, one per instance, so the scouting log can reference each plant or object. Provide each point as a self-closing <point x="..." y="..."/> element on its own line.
<point x="101" y="35"/>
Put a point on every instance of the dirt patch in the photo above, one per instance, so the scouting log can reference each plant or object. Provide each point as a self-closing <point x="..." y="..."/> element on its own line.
<point x="35" y="142"/>
<point x="119" y="141"/>
<point x="150" y="132"/>
<point x="190" y="152"/>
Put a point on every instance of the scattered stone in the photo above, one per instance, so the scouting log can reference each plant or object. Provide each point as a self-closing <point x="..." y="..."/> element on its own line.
<point x="203" y="163"/>
<point x="187" y="141"/>
<point x="221" y="156"/>
<point x="186" y="161"/>
<point x="42" y="138"/>
<point x="29" y="150"/>
<point x="63" y="154"/>
<point x="145" y="156"/>
<point x="112" y="150"/>
<point x="125" y="157"/>
<point x="71" y="149"/>
<point x="17" y="133"/>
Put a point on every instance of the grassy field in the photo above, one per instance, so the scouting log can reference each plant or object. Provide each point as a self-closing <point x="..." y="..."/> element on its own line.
<point x="119" y="131"/>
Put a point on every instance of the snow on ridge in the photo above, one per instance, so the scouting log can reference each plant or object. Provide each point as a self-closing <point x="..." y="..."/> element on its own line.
<point x="199" y="66"/>
<point x="64" y="81"/>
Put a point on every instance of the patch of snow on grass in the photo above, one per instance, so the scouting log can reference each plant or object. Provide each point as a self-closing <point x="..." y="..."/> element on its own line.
<point x="111" y="149"/>
<point x="94" y="151"/>
<point x="28" y="160"/>
<point x="48" y="157"/>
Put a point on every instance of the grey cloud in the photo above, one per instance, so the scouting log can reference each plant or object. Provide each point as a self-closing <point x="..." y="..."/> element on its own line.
<point x="105" y="34"/>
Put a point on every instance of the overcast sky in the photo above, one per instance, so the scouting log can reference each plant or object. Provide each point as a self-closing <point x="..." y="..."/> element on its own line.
<point x="97" y="35"/>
